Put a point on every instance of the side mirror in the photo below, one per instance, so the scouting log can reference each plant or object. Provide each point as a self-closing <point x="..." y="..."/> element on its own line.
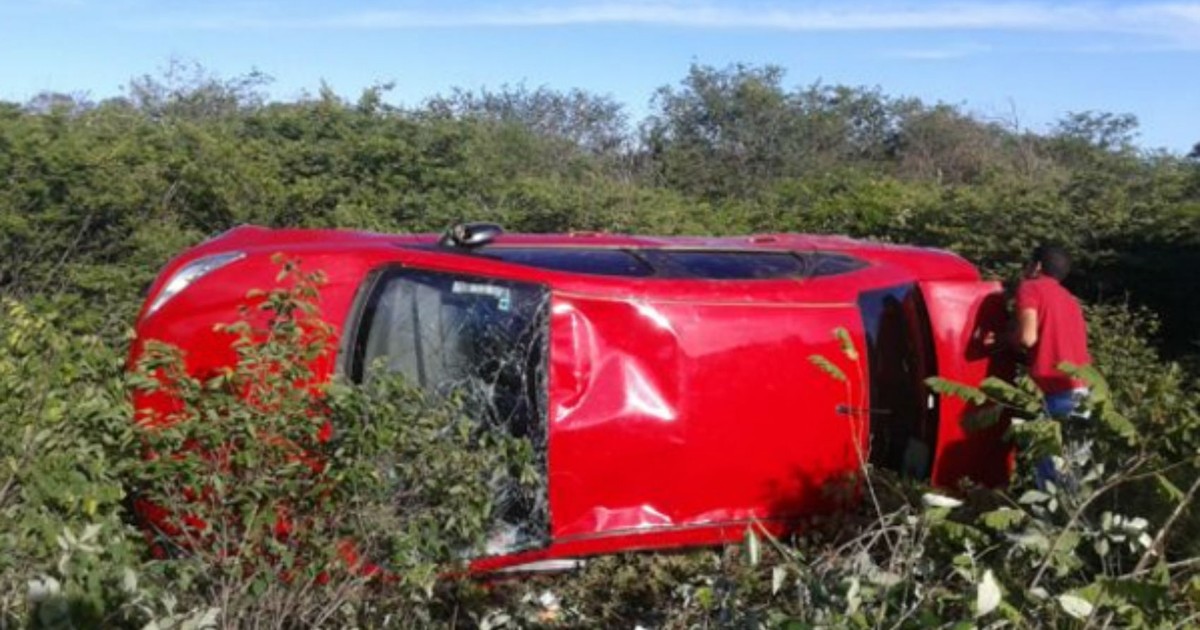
<point x="470" y="235"/>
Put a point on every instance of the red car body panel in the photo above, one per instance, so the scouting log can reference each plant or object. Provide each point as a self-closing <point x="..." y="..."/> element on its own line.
<point x="679" y="411"/>
<point x="651" y="397"/>
<point x="965" y="313"/>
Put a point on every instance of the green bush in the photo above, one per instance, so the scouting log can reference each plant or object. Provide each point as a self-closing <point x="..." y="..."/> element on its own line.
<point x="285" y="501"/>
<point x="68" y="552"/>
<point x="407" y="482"/>
<point x="99" y="195"/>
<point x="296" y="502"/>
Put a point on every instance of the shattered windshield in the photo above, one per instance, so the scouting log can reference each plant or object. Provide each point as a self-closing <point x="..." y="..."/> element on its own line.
<point x="481" y="338"/>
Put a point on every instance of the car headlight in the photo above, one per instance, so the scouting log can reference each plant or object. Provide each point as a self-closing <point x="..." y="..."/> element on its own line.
<point x="190" y="273"/>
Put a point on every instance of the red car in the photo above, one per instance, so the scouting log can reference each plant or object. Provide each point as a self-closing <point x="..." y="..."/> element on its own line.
<point x="669" y="381"/>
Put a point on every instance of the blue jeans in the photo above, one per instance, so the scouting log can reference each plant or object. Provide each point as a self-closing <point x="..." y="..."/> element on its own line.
<point x="1063" y="404"/>
<point x="1059" y="406"/>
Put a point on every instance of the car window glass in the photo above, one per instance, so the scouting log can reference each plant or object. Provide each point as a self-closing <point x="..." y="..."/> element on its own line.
<point x="479" y="338"/>
<point x="820" y="264"/>
<point x="718" y="265"/>
<point x="605" y="262"/>
<point x="703" y="264"/>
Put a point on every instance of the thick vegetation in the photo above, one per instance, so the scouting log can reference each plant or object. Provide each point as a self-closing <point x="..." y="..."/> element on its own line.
<point x="97" y="196"/>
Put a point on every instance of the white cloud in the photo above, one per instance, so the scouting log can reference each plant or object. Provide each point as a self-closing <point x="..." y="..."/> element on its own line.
<point x="719" y="16"/>
<point x="1175" y="22"/>
<point x="938" y="54"/>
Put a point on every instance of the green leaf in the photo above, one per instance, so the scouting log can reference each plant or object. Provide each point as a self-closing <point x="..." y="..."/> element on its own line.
<point x="1100" y="391"/>
<point x="1119" y="425"/>
<point x="947" y="387"/>
<point x="846" y="343"/>
<point x="1170" y="490"/>
<point x="1131" y="592"/>
<point x="753" y="547"/>
<point x="778" y="575"/>
<point x="1018" y="395"/>
<point x="1075" y="606"/>
<point x="935" y="500"/>
<point x="982" y="418"/>
<point x="827" y="366"/>
<point x="987" y="594"/>
<point x="1031" y="497"/>
<point x="1003" y="519"/>
<point x="853" y="596"/>
<point x="1033" y="540"/>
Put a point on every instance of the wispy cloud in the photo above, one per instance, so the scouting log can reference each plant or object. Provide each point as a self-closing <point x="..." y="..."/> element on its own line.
<point x="939" y="53"/>
<point x="1174" y="22"/>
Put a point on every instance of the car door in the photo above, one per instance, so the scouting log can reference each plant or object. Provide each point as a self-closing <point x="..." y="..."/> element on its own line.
<point x="961" y="315"/>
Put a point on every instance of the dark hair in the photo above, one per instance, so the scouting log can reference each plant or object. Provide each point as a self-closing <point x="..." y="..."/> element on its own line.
<point x="1055" y="261"/>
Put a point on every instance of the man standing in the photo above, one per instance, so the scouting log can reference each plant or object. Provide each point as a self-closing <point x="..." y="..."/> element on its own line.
<point x="1050" y="327"/>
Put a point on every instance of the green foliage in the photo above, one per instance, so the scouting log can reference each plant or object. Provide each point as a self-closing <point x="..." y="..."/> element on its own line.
<point x="66" y="547"/>
<point x="828" y="367"/>
<point x="283" y="500"/>
<point x="98" y="196"/>
<point x="283" y="491"/>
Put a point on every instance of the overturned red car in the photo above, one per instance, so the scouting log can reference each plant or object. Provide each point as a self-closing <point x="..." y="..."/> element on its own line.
<point x="670" y="382"/>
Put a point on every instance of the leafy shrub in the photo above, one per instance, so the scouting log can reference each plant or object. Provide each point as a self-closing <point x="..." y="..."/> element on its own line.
<point x="293" y="501"/>
<point x="98" y="196"/>
<point x="284" y="489"/>
<point x="278" y="499"/>
<point x="67" y="552"/>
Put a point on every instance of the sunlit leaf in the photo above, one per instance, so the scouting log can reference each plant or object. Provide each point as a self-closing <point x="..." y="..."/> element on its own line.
<point x="778" y="575"/>
<point x="1003" y="518"/>
<point x="931" y="499"/>
<point x="753" y="547"/>
<point x="1075" y="606"/>
<point x="827" y="366"/>
<point x="987" y="594"/>
<point x="846" y="343"/>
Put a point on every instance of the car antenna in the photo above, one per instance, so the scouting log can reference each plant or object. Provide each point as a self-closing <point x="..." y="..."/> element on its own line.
<point x="470" y="235"/>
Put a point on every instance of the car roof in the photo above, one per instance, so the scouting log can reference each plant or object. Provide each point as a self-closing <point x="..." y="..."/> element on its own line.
<point x="609" y="240"/>
<point x="894" y="262"/>
<point x="256" y="235"/>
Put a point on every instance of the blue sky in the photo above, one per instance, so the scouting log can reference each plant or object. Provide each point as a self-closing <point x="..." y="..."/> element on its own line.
<point x="1030" y="61"/>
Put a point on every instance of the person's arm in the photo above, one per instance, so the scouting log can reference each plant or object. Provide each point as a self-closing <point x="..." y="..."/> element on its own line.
<point x="1025" y="335"/>
<point x="1021" y="334"/>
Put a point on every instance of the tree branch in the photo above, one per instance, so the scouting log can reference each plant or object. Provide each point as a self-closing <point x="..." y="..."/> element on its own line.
<point x="1160" y="539"/>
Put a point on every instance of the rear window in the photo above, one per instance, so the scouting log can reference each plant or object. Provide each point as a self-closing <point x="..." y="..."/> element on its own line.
<point x="822" y="264"/>
<point x="714" y="265"/>
<point x="701" y="264"/>
<point x="604" y="262"/>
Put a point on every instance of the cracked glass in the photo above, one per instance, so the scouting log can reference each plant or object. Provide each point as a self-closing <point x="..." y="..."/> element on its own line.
<point x="485" y="340"/>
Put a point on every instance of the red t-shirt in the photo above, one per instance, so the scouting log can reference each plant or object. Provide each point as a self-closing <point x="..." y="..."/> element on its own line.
<point x="1062" y="333"/>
